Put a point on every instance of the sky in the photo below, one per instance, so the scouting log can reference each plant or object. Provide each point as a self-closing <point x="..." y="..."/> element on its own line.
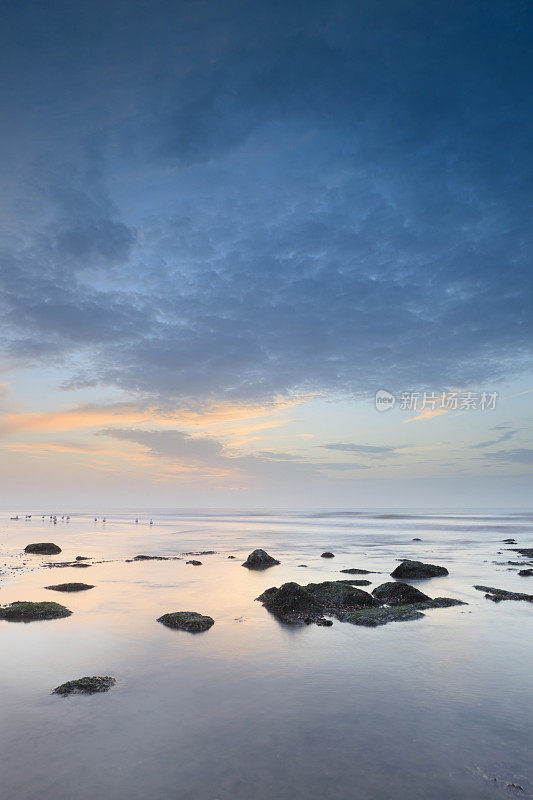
<point x="226" y="226"/>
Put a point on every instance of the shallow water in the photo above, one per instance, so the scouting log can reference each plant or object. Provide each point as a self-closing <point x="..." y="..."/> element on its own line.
<point x="433" y="708"/>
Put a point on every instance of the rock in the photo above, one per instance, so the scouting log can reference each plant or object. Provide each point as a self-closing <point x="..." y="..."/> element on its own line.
<point x="497" y="595"/>
<point x="356" y="571"/>
<point x="232" y="556"/>
<point x="91" y="685"/>
<point x="82" y="558"/>
<point x="291" y="602"/>
<point x="303" y="565"/>
<point x="373" y="617"/>
<point x="323" y="622"/>
<point x="327" y="554"/>
<point x="416" y="569"/>
<point x="144" y="557"/>
<point x="354" y="582"/>
<point x="398" y="594"/>
<point x="70" y="587"/>
<point x="339" y="595"/>
<point x="508" y="541"/>
<point x="259" y="559"/>
<point x="194" y="563"/>
<point x="25" y="611"/>
<point x="201" y="553"/>
<point x="416" y="539"/>
<point x="525" y="573"/>
<point x="190" y="621"/>
<point x="524" y="551"/>
<point x="43" y="548"/>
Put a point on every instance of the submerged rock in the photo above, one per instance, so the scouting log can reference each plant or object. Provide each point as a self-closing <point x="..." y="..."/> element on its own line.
<point x="92" y="685"/>
<point x="497" y="595"/>
<point x="356" y="571"/>
<point x="25" y="611"/>
<point x="398" y="594"/>
<point x="232" y="556"/>
<point x="259" y="559"/>
<point x="508" y="541"/>
<point x="416" y="539"/>
<point x="525" y="572"/>
<point x="327" y="554"/>
<point x="354" y="582"/>
<point x="524" y="551"/>
<point x="43" y="548"/>
<point x="82" y="558"/>
<point x="417" y="569"/>
<point x="373" y="617"/>
<point x="70" y="587"/>
<point x="293" y="603"/>
<point x="143" y="557"/>
<point x="190" y="621"/>
<point x="58" y="564"/>
<point x="194" y="563"/>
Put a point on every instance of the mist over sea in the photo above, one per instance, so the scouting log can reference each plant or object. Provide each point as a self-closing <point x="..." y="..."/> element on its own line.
<point x="437" y="708"/>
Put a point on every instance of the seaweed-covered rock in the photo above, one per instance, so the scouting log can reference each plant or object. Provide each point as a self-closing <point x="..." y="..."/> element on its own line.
<point x="25" y="611"/>
<point x="291" y="602"/>
<point x="398" y="594"/>
<point x="92" y="685"/>
<point x="339" y="595"/>
<point x="70" y="587"/>
<point x="417" y="569"/>
<point x="327" y="554"/>
<point x="305" y="604"/>
<point x="372" y="617"/>
<point x="526" y="573"/>
<point x="355" y="582"/>
<point x="43" y="548"/>
<point x="259" y="559"/>
<point x="190" y="621"/>
<point x="497" y="595"/>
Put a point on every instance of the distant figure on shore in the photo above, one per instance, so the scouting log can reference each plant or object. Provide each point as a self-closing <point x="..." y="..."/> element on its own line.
<point x="151" y="522"/>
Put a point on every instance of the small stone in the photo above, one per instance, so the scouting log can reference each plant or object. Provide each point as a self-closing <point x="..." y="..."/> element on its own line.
<point x="194" y="563"/>
<point x="87" y="685"/>
<point x="327" y="554"/>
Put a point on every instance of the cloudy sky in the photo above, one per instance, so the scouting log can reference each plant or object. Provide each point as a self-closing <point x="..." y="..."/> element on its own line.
<point x="225" y="226"/>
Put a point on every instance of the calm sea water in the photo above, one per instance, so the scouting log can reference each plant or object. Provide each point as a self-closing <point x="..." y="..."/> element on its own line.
<point x="433" y="708"/>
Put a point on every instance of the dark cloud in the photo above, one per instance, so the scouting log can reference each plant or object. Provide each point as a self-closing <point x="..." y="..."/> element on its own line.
<point x="521" y="455"/>
<point x="508" y="434"/>
<point x="364" y="449"/>
<point x="244" y="199"/>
